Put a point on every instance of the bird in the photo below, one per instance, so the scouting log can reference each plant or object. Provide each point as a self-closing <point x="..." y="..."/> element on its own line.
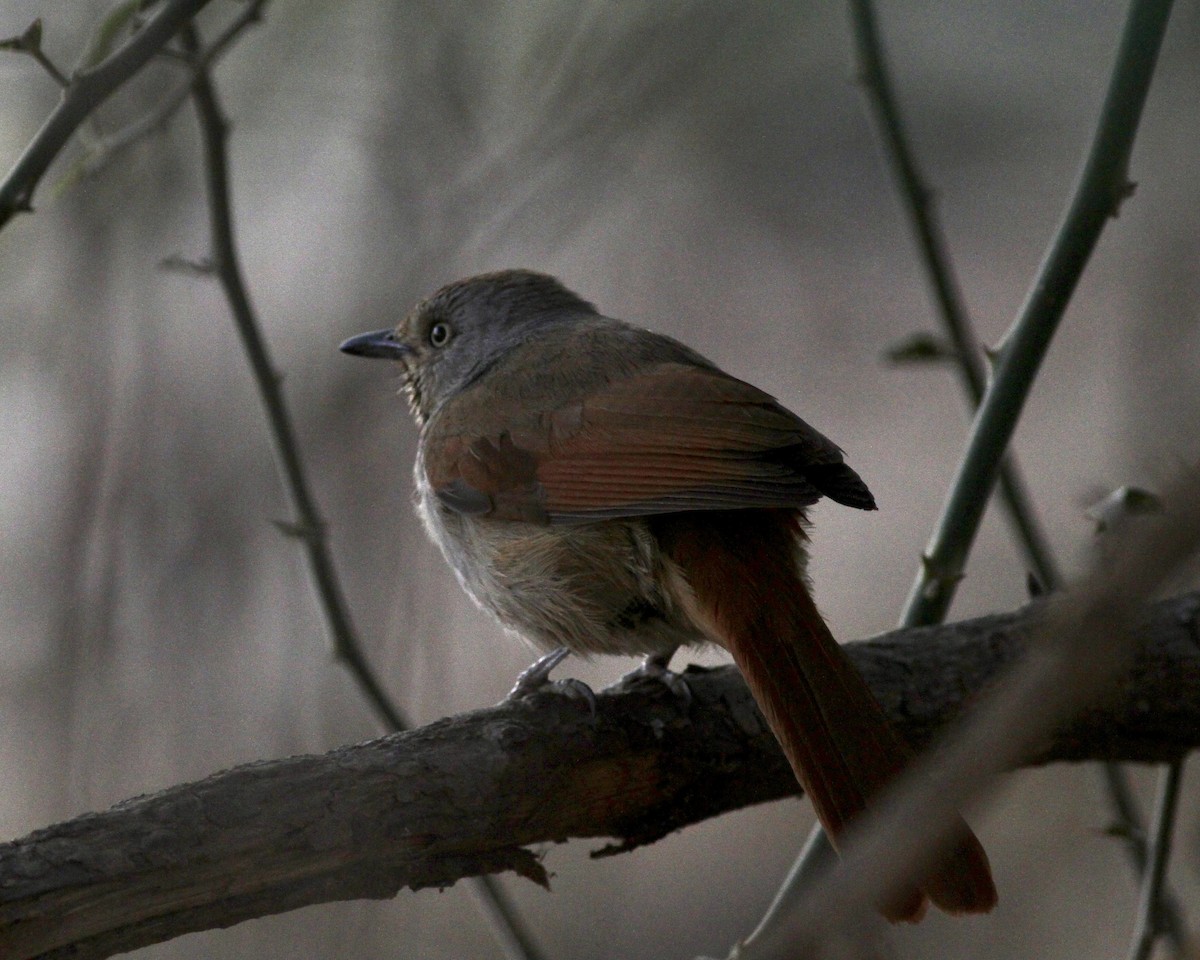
<point x="603" y="489"/>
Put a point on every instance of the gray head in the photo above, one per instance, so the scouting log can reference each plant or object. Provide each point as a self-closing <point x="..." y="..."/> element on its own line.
<point x="451" y="338"/>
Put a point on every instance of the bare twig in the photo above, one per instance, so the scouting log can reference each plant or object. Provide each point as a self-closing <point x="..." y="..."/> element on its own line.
<point x="1132" y="834"/>
<point x="308" y="526"/>
<point x="30" y="42"/>
<point x="1103" y="184"/>
<point x="1128" y="827"/>
<point x="503" y="918"/>
<point x="1152" y="916"/>
<point x="474" y="793"/>
<point x="87" y="90"/>
<point x="917" y="200"/>
<point x="101" y="149"/>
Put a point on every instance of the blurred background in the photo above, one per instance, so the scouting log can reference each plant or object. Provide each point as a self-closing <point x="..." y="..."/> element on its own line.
<point x="706" y="169"/>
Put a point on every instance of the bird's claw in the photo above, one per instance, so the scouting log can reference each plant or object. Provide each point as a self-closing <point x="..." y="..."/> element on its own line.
<point x="537" y="675"/>
<point x="536" y="679"/>
<point x="655" y="669"/>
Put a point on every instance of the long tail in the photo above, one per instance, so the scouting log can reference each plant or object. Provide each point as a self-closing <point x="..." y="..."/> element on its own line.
<point x="746" y="586"/>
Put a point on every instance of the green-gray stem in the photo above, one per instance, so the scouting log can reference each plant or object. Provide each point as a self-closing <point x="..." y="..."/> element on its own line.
<point x="916" y="198"/>
<point x="917" y="201"/>
<point x="1102" y="186"/>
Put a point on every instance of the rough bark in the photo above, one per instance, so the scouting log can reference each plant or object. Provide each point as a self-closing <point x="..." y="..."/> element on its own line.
<point x="470" y="794"/>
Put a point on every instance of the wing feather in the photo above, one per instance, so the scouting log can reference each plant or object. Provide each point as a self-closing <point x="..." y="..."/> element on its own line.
<point x="672" y="438"/>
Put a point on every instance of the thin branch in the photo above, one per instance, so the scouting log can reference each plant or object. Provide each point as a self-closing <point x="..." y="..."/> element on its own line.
<point x="503" y="919"/>
<point x="308" y="526"/>
<point x="86" y="91"/>
<point x="1096" y="198"/>
<point x="1151" y="913"/>
<point x="30" y="42"/>
<point x="1103" y="184"/>
<point x="1128" y="828"/>
<point x="474" y="793"/>
<point x="918" y="203"/>
<point x="917" y="200"/>
<point x="101" y="149"/>
<point x="252" y="12"/>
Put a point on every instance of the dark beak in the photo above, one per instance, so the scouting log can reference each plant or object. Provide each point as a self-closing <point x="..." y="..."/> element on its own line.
<point x="381" y="343"/>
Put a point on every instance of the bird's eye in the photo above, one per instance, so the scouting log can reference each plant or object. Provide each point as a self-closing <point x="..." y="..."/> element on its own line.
<point x="439" y="334"/>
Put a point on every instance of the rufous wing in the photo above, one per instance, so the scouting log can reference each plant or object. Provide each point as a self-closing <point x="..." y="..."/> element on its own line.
<point x="669" y="439"/>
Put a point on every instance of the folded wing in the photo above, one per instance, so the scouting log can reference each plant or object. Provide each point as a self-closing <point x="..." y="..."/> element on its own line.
<point x="669" y="439"/>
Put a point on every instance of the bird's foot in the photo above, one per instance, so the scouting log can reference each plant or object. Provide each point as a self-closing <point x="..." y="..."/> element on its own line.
<point x="536" y="679"/>
<point x="656" y="669"/>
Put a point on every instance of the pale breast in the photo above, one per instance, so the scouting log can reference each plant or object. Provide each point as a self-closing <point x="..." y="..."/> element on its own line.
<point x="594" y="588"/>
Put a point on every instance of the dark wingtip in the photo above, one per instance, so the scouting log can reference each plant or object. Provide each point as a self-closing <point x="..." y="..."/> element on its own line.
<point x="839" y="482"/>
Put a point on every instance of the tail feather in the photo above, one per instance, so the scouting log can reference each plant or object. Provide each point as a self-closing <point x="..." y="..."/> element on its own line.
<point x="745" y="583"/>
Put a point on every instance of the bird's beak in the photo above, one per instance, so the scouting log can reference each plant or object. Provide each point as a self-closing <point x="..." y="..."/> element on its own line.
<point x="381" y="343"/>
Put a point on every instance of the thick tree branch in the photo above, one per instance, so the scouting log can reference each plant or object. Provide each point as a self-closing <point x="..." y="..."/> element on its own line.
<point x="470" y="794"/>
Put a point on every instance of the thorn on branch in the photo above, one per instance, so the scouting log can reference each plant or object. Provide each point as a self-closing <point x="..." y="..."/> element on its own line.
<point x="30" y="42"/>
<point x="938" y="576"/>
<point x="1123" y="192"/>
<point x="921" y="347"/>
<point x="297" y="530"/>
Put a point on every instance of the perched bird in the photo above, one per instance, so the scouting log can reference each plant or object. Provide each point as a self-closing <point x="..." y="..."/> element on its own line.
<point x="603" y="489"/>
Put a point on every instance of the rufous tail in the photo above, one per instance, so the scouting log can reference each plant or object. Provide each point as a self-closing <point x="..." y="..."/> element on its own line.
<point x="742" y="571"/>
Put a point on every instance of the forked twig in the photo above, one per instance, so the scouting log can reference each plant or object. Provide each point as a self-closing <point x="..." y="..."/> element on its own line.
<point x="1103" y="184"/>
<point x="100" y="149"/>
<point x="30" y="43"/>
<point x="917" y="201"/>
<point x="86" y="91"/>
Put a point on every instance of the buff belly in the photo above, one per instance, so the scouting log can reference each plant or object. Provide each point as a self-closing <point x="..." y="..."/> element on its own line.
<point x="593" y="588"/>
